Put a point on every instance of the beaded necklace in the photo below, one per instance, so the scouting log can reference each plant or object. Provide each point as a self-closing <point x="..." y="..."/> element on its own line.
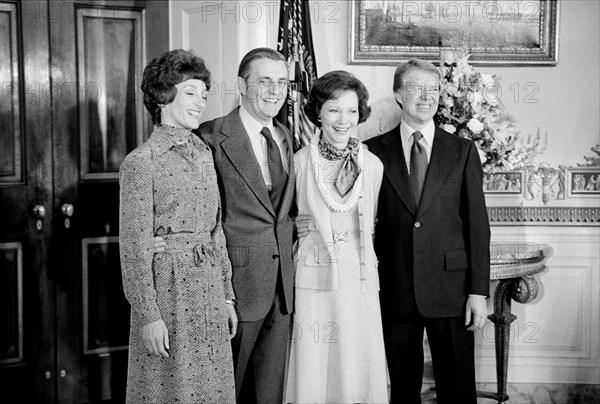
<point x="320" y="180"/>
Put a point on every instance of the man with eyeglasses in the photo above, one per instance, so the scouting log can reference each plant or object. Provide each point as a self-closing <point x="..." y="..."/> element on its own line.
<point x="432" y="241"/>
<point x="254" y="161"/>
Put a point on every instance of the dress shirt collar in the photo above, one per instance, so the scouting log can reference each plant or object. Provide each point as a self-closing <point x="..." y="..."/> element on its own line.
<point x="428" y="131"/>
<point x="163" y="142"/>
<point x="252" y="126"/>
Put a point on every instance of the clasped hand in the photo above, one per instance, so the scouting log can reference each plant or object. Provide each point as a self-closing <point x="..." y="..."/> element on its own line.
<point x="302" y="225"/>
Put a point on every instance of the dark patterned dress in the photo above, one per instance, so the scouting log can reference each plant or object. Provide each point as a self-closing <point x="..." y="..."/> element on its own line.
<point x="169" y="188"/>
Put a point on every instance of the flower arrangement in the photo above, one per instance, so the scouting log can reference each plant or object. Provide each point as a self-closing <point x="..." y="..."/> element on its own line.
<point x="470" y="107"/>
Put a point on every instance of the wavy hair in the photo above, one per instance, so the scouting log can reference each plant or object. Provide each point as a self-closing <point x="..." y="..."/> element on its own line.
<point x="164" y="72"/>
<point x="330" y="86"/>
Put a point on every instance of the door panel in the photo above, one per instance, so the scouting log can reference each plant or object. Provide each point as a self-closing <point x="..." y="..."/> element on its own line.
<point x="11" y="303"/>
<point x="27" y="354"/>
<point x="111" y="57"/>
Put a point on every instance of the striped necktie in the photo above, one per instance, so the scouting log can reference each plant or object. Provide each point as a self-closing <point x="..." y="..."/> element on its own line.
<point x="418" y="167"/>
<point x="278" y="175"/>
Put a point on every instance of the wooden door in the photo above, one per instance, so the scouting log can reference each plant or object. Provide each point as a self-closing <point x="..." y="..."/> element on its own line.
<point x="87" y="58"/>
<point x="27" y="315"/>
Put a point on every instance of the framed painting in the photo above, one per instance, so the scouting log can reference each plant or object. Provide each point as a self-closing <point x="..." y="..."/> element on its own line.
<point x="499" y="33"/>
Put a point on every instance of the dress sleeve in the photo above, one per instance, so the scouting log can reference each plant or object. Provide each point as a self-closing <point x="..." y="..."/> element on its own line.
<point x="135" y="237"/>
<point x="219" y="238"/>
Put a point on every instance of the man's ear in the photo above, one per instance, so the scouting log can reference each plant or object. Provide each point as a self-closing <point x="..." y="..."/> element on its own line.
<point x="398" y="97"/>
<point x="242" y="85"/>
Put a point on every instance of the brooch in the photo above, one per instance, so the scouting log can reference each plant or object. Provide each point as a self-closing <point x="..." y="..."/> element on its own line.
<point x="340" y="237"/>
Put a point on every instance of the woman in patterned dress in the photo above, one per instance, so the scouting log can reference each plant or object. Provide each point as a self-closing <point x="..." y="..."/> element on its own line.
<point x="337" y="353"/>
<point x="181" y="299"/>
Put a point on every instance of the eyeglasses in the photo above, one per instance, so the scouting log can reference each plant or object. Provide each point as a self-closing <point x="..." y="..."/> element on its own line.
<point x="420" y="88"/>
<point x="268" y="83"/>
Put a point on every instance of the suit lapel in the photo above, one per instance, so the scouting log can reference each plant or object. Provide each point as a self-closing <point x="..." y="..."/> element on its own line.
<point x="443" y="157"/>
<point x="395" y="169"/>
<point x="238" y="148"/>
<point x="288" y="193"/>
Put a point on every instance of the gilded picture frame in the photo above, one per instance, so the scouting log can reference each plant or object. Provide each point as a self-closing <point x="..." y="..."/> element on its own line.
<point x="498" y="33"/>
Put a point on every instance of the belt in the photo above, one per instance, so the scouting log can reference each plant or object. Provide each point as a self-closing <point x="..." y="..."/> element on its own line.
<point x="201" y="245"/>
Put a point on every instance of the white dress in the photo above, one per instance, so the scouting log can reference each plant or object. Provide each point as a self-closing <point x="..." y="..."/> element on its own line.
<point x="337" y="352"/>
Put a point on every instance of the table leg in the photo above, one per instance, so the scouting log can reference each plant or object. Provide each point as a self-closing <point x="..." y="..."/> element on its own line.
<point x="522" y="290"/>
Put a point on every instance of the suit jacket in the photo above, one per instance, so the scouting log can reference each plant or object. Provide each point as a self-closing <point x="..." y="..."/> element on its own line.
<point x="259" y="240"/>
<point x="438" y="254"/>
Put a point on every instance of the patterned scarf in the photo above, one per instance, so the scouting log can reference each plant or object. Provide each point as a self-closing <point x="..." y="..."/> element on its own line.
<point x="349" y="170"/>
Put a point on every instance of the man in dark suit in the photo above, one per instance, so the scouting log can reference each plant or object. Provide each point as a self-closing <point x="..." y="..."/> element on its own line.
<point x="432" y="241"/>
<point x="254" y="162"/>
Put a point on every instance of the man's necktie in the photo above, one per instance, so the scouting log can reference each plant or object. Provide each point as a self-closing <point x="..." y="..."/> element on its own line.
<point x="418" y="167"/>
<point x="278" y="175"/>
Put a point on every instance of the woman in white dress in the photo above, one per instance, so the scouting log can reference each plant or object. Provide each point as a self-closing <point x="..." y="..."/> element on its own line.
<point x="337" y="353"/>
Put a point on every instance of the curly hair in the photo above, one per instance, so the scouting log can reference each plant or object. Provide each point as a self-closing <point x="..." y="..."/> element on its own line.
<point x="330" y="86"/>
<point x="164" y="72"/>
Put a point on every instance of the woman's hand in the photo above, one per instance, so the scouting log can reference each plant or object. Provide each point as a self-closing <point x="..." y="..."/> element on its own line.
<point x="156" y="338"/>
<point x="232" y="319"/>
<point x="302" y="224"/>
<point x="159" y="244"/>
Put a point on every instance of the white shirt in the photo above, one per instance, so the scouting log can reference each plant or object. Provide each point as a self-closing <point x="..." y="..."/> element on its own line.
<point x="259" y="143"/>
<point x="406" y="134"/>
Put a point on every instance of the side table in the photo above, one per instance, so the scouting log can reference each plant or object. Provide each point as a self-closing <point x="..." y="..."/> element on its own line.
<point x="513" y="265"/>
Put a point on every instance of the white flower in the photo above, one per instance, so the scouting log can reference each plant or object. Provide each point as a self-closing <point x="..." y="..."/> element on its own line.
<point x="475" y="125"/>
<point x="476" y="101"/>
<point x="476" y="98"/>
<point x="493" y="101"/>
<point x="501" y="137"/>
<point x="487" y="79"/>
<point x="448" y="128"/>
<point x="482" y="155"/>
<point x="447" y="56"/>
<point x="451" y="89"/>
<point x="448" y="101"/>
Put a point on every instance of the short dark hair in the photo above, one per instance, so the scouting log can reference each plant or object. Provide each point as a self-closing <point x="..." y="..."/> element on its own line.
<point x="413" y="64"/>
<point x="330" y="86"/>
<point x="164" y="72"/>
<point x="258" y="53"/>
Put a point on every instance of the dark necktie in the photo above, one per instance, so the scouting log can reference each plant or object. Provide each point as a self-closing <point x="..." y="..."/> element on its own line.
<point x="278" y="175"/>
<point x="418" y="167"/>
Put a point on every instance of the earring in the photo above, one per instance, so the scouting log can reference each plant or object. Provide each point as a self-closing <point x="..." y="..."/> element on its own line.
<point x="161" y="105"/>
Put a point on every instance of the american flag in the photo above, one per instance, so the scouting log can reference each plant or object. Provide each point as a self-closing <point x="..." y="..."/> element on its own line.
<point x="295" y="43"/>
